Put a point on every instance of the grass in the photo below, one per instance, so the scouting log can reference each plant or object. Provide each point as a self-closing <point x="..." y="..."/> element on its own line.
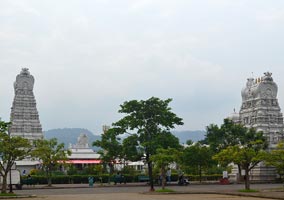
<point x="7" y="194"/>
<point x="165" y="190"/>
<point x="250" y="190"/>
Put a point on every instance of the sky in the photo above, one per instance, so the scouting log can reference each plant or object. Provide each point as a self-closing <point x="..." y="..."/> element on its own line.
<point x="90" y="56"/>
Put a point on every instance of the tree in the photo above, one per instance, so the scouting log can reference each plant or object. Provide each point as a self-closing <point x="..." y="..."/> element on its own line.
<point x="276" y="158"/>
<point x="163" y="158"/>
<point x="112" y="148"/>
<point x="228" y="134"/>
<point x="247" y="154"/>
<point x="11" y="149"/>
<point x="198" y="157"/>
<point x="51" y="154"/>
<point x="150" y="120"/>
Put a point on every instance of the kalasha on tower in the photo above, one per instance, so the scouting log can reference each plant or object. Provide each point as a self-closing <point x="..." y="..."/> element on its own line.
<point x="24" y="114"/>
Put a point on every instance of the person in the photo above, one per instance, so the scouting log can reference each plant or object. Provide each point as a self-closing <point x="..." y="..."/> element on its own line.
<point x="169" y="173"/>
<point x="180" y="177"/>
<point x="91" y="181"/>
<point x="117" y="178"/>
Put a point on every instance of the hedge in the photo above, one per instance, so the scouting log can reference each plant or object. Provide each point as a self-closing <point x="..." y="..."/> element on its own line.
<point x="106" y="178"/>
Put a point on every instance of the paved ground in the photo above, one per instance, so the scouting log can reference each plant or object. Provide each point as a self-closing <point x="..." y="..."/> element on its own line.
<point x="140" y="191"/>
<point x="138" y="196"/>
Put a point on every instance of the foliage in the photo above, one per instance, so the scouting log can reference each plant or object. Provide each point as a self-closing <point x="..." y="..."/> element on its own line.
<point x="276" y="158"/>
<point x="51" y="154"/>
<point x="247" y="154"/>
<point x="198" y="158"/>
<point x="228" y="134"/>
<point x="149" y="123"/>
<point x="163" y="158"/>
<point x="11" y="149"/>
<point x="111" y="146"/>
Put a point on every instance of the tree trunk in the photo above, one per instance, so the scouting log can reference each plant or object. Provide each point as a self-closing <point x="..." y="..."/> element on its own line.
<point x="4" y="184"/>
<point x="200" y="173"/>
<point x="49" y="181"/>
<point x="247" y="181"/>
<point x="239" y="178"/>
<point x="163" y="173"/>
<point x="150" y="172"/>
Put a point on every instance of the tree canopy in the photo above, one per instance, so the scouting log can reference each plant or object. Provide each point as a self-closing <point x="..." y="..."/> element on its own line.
<point x="276" y="158"/>
<point x="149" y="123"/>
<point x="197" y="158"/>
<point x="11" y="149"/>
<point x="247" y="154"/>
<point x="163" y="158"/>
<point x="51" y="154"/>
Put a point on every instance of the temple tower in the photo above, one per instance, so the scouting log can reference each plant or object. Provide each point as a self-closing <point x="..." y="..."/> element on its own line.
<point x="24" y="114"/>
<point x="260" y="108"/>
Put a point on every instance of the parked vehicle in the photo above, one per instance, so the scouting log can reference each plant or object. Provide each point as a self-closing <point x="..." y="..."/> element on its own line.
<point x="15" y="178"/>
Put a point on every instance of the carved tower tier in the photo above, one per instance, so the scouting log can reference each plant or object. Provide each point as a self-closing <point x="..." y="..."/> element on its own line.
<point x="260" y="108"/>
<point x="24" y="114"/>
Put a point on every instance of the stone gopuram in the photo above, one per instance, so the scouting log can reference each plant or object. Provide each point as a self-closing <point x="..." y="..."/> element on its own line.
<point x="24" y="114"/>
<point x="260" y="110"/>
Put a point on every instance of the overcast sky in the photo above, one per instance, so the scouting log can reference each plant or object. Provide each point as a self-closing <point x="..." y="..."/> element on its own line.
<point x="89" y="56"/>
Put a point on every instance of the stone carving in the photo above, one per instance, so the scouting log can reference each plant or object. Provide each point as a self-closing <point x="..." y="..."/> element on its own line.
<point x="24" y="114"/>
<point x="260" y="107"/>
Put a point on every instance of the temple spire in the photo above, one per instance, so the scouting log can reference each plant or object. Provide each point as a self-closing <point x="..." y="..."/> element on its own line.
<point x="24" y="114"/>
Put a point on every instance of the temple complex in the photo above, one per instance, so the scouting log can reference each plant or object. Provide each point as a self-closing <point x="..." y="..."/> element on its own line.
<point x="260" y="110"/>
<point x="24" y="114"/>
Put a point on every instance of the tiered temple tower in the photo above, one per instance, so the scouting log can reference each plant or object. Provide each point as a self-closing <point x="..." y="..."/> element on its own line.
<point x="260" y="108"/>
<point x="24" y="114"/>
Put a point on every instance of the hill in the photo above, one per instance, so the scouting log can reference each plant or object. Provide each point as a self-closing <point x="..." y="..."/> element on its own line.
<point x="189" y="135"/>
<point x="70" y="135"/>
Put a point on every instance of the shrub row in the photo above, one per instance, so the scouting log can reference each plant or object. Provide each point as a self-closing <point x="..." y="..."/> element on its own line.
<point x="106" y="178"/>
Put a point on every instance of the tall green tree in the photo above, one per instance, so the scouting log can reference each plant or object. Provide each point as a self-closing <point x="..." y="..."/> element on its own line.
<point x="11" y="149"/>
<point x="111" y="146"/>
<point x="51" y="154"/>
<point x="150" y="120"/>
<point x="228" y="134"/>
<point x="276" y="158"/>
<point x="247" y="154"/>
<point x="163" y="158"/>
<point x="198" y="158"/>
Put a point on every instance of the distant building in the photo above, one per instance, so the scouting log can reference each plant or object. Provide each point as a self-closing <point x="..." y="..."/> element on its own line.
<point x="81" y="154"/>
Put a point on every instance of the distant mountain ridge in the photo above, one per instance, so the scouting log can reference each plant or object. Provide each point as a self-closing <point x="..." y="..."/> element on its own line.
<point x="70" y="135"/>
<point x="189" y="135"/>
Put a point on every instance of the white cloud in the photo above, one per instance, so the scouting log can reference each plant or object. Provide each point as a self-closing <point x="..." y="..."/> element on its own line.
<point x="90" y="56"/>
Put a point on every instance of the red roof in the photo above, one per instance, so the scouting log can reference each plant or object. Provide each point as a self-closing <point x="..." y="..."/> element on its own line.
<point x="83" y="161"/>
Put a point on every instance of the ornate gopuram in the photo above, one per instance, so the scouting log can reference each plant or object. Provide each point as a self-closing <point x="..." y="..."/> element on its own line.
<point x="260" y="109"/>
<point x="24" y="114"/>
